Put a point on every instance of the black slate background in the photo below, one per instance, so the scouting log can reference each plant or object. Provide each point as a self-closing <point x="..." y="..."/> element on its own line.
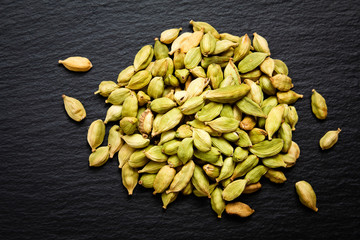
<point x="47" y="190"/>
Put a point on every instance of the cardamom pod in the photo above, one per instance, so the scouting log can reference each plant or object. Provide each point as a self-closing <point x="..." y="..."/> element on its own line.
<point x="118" y="96"/>
<point x="168" y="198"/>
<point x="221" y="60"/>
<point x="152" y="167"/>
<point x="162" y="105"/>
<point x="267" y="86"/>
<point x="74" y="108"/>
<point x="244" y="139"/>
<point x="209" y="112"/>
<point x="174" y="161"/>
<point x="169" y="120"/>
<point x="251" y="188"/>
<point x="182" y="178"/>
<point x="129" y="178"/>
<point x="125" y="76"/>
<point x="147" y="180"/>
<point x="285" y="133"/>
<point x="184" y="131"/>
<point x="192" y="58"/>
<point x="192" y="105"/>
<point x="274" y="161"/>
<point x="136" y="140"/>
<point x="129" y="125"/>
<point x="234" y="189"/>
<point x="253" y="75"/>
<point x="230" y="37"/>
<point x="267" y="148"/>
<point x="215" y="74"/>
<point x="207" y="44"/>
<point x="240" y="154"/>
<point x="280" y="67"/>
<point x="227" y="169"/>
<point x="99" y="157"/>
<point x="329" y="139"/>
<point x="139" y="80"/>
<point x="160" y="50"/>
<point x="306" y="194"/>
<point x="185" y="150"/>
<point x="288" y="97"/>
<point x="257" y="135"/>
<point x="113" y="113"/>
<point x="224" y="45"/>
<point x="243" y="49"/>
<point x="268" y="66"/>
<point x="96" y="134"/>
<point x="217" y="202"/>
<point x="249" y="107"/>
<point x="260" y="44"/>
<point x="255" y="174"/>
<point x="192" y="41"/>
<point x="318" y="105"/>
<point x="240" y="209"/>
<point x="138" y="158"/>
<point x="223" y="145"/>
<point x="115" y="141"/>
<point x="200" y="181"/>
<point x="228" y="94"/>
<point x="274" y="119"/>
<point x="202" y="140"/>
<point x="292" y="117"/>
<point x="251" y="61"/>
<point x="275" y="176"/>
<point x="176" y="44"/>
<point x="255" y="92"/>
<point x="76" y="64"/>
<point x="196" y="87"/>
<point x="143" y="58"/>
<point x="171" y="147"/>
<point x="155" y="154"/>
<point x="106" y="87"/>
<point x="248" y="123"/>
<point x="281" y="82"/>
<point x="167" y="136"/>
<point x="231" y="70"/>
<point x="211" y="170"/>
<point x="211" y="156"/>
<point x="197" y="26"/>
<point x="124" y="154"/>
<point x="163" y="179"/>
<point x="244" y="167"/>
<point x="169" y="35"/>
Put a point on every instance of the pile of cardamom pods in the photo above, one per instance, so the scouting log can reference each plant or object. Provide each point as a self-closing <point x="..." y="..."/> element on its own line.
<point x="208" y="117"/>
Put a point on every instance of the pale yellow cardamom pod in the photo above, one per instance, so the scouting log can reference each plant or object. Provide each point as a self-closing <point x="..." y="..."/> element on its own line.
<point x="240" y="209"/>
<point x="96" y="134"/>
<point x="163" y="179"/>
<point x="329" y="139"/>
<point x="99" y="157"/>
<point x="76" y="64"/>
<point x="115" y="141"/>
<point x="74" y="108"/>
<point x="169" y="35"/>
<point x="260" y="44"/>
<point x="306" y="194"/>
<point x="129" y="178"/>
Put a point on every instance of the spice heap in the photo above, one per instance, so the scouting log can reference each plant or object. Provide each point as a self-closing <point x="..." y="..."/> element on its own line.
<point x="209" y="116"/>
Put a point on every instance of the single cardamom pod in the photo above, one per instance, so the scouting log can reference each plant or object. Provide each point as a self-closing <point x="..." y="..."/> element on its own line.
<point x="163" y="179"/>
<point x="255" y="174"/>
<point x="275" y="176"/>
<point x="260" y="44"/>
<point x="174" y="161"/>
<point x="207" y="44"/>
<point x="230" y="37"/>
<point x="267" y="148"/>
<point x="228" y="94"/>
<point x="251" y="61"/>
<point x="74" y="108"/>
<point x="168" y="198"/>
<point x="143" y="57"/>
<point x="251" y="188"/>
<point x="198" y="72"/>
<point x="240" y="154"/>
<point x="257" y="135"/>
<point x="249" y="107"/>
<point x="115" y="141"/>
<point x="198" y="124"/>
<point x="292" y="117"/>
<point x="215" y="74"/>
<point x="147" y="180"/>
<point x="171" y="80"/>
<point x="231" y="70"/>
<point x="268" y="66"/>
<point x="176" y="44"/>
<point x="125" y="76"/>
<point x="223" y="124"/>
<point x="160" y="68"/>
<point x="155" y="154"/>
<point x="306" y="194"/>
<point x="200" y="181"/>
<point x="106" y="87"/>
<point x="192" y="58"/>
<point x="243" y="49"/>
<point x="124" y="154"/>
<point x="96" y="134"/>
<point x="185" y="150"/>
<point x="146" y="122"/>
<point x="178" y="59"/>
<point x="169" y="120"/>
<point x="162" y="105"/>
<point x="285" y="133"/>
<point x="156" y="123"/>
<point x="255" y="92"/>
<point x="129" y="178"/>
<point x="224" y="45"/>
<point x="280" y="67"/>
<point x="211" y="156"/>
<point x="266" y="107"/>
<point x="197" y="26"/>
<point x="289" y="159"/>
<point x="240" y="209"/>
<point x="136" y="141"/>
<point x="184" y="131"/>
<point x="244" y="139"/>
<point x="129" y="125"/>
<point x="294" y="150"/>
<point x="160" y="50"/>
<point x="192" y="41"/>
<point x="209" y="112"/>
<point x="152" y="167"/>
<point x="223" y="145"/>
<point x="139" y="80"/>
<point x="318" y="105"/>
<point x="118" y="96"/>
<point x="274" y="119"/>
<point x="253" y="75"/>
<point x="248" y="123"/>
<point x="192" y="105"/>
<point x="274" y="161"/>
<point x="227" y="169"/>
<point x="182" y="178"/>
<point x="99" y="157"/>
<point x="329" y="139"/>
<point x="169" y="35"/>
<point x="234" y="189"/>
<point x="130" y="106"/>
<point x="267" y="86"/>
<point x="221" y="60"/>
<point x="211" y="170"/>
<point x="76" y="64"/>
<point x="217" y="202"/>
<point x="288" y="97"/>
<point x="167" y="136"/>
<point x="171" y="147"/>
<point x="202" y="140"/>
<point x="138" y="158"/>
<point x="113" y="113"/>
<point x="281" y="82"/>
<point x="196" y="87"/>
<point x="156" y="87"/>
<point x="244" y="167"/>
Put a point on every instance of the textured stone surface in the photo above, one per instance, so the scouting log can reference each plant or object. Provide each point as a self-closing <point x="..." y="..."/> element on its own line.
<point x="47" y="190"/>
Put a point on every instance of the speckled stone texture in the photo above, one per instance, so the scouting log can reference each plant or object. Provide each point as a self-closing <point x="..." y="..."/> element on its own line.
<point x="47" y="190"/>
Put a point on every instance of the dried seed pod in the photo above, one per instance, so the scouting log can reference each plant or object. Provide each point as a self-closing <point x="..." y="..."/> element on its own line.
<point x="76" y="64"/>
<point x="163" y="179"/>
<point x="129" y="177"/>
<point x="251" y="61"/>
<point x="96" y="134"/>
<point x="168" y="36"/>
<point x="217" y="202"/>
<point x="251" y="188"/>
<point x="197" y="26"/>
<point x="267" y="148"/>
<point x="147" y="180"/>
<point x="306" y="194"/>
<point x="318" y="105"/>
<point x="99" y="157"/>
<point x="329" y="139"/>
<point x="234" y="189"/>
<point x="106" y="87"/>
<point x="115" y="141"/>
<point x="113" y="113"/>
<point x="74" y="108"/>
<point x="143" y="57"/>
<point x="240" y="209"/>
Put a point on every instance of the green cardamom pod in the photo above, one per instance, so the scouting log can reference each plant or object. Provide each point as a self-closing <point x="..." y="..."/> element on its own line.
<point x="202" y="140"/>
<point x="174" y="161"/>
<point x="211" y="170"/>
<point x="267" y="148"/>
<point x="129" y="125"/>
<point x="251" y="61"/>
<point x="253" y="75"/>
<point x="200" y="181"/>
<point x="152" y="167"/>
<point x="143" y="57"/>
<point x="215" y="74"/>
<point x="136" y="140"/>
<point x="184" y="131"/>
<point x="217" y="202"/>
<point x="197" y="26"/>
<point x="115" y="141"/>
<point x="255" y="92"/>
<point x="179" y="58"/>
<point x="163" y="179"/>
<point x="167" y="136"/>
<point x="147" y="180"/>
<point x="171" y="147"/>
<point x="244" y="139"/>
<point x="182" y="178"/>
<point x="306" y="194"/>
<point x="125" y="76"/>
<point x="176" y="44"/>
<point x="221" y="60"/>
<point x="198" y="72"/>
<point x="243" y="49"/>
<point x="160" y="68"/>
<point x="294" y="150"/>
<point x="240" y="154"/>
<point x="118" y="96"/>
<point x="318" y="105"/>
<point x="268" y="66"/>
<point x="192" y="58"/>
<point x="224" y="45"/>
<point x="169" y="35"/>
<point x="292" y="117"/>
<point x="130" y="106"/>
<point x="211" y="156"/>
<point x="227" y="111"/>
<point x="99" y="157"/>
<point x="285" y="133"/>
<point x="244" y="167"/>
<point x="182" y="74"/>
<point x="281" y="82"/>
<point x="209" y="112"/>
<point x="234" y="189"/>
<point x="280" y="67"/>
<point x="139" y="80"/>
<point x="223" y="145"/>
<point x="248" y="123"/>
<point x="275" y="176"/>
<point x="255" y="174"/>
<point x="274" y="161"/>
<point x="74" y="108"/>
<point x="198" y="124"/>
<point x="155" y="154"/>
<point x="240" y="209"/>
<point x="230" y="37"/>
<point x="288" y="97"/>
<point x="228" y="94"/>
<point x="124" y="154"/>
<point x="142" y="98"/>
<point x="162" y="105"/>
<point x="196" y="87"/>
<point x="260" y="44"/>
<point x="169" y="120"/>
<point x="231" y="70"/>
<point x="223" y="124"/>
<point x="138" y="158"/>
<point x="207" y="44"/>
<point x="257" y="135"/>
<point x="129" y="178"/>
<point x="266" y="107"/>
<point x="185" y="150"/>
<point x="227" y="169"/>
<point x="113" y="113"/>
<point x="267" y="86"/>
<point x="96" y="134"/>
<point x="168" y="198"/>
<point x="274" y="119"/>
<point x="106" y="87"/>
<point x="329" y="139"/>
<point x="171" y="80"/>
<point x="231" y="137"/>
<point x="192" y="41"/>
<point x="160" y="50"/>
<point x="192" y="105"/>
<point x="248" y="106"/>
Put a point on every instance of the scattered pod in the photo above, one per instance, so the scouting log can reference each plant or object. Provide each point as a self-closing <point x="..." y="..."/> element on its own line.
<point x="329" y="139"/>
<point x="240" y="209"/>
<point x="74" y="108"/>
<point x="76" y="64"/>
<point x="306" y="194"/>
<point x="318" y="105"/>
